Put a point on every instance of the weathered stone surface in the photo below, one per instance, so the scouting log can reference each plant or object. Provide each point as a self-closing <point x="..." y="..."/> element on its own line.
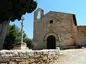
<point x="82" y="35"/>
<point x="28" y="56"/>
<point x="63" y="28"/>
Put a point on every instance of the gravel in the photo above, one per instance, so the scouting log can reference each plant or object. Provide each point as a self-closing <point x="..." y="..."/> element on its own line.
<point x="72" y="56"/>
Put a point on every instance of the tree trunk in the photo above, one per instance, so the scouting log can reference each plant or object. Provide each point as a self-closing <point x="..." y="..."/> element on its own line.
<point x="3" y="32"/>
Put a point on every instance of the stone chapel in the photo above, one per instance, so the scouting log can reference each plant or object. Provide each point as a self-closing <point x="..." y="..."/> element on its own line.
<point x="57" y="29"/>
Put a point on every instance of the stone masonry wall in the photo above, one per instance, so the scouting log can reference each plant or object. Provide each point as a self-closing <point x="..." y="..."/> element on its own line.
<point x="82" y="35"/>
<point x="28" y="56"/>
<point x="62" y="26"/>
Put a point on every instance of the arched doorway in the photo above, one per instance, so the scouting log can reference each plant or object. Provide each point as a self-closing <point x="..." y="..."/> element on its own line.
<point x="51" y="42"/>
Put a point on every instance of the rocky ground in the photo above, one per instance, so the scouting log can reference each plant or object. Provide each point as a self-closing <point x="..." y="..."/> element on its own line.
<point x="72" y="56"/>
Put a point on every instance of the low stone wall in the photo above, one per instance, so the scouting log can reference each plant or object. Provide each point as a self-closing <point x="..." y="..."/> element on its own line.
<point x="28" y="56"/>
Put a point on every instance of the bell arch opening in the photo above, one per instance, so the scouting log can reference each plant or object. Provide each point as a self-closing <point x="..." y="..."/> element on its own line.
<point x="51" y="42"/>
<point x="39" y="13"/>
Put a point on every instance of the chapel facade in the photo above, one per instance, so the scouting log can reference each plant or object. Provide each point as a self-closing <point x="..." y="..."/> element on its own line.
<point x="57" y="29"/>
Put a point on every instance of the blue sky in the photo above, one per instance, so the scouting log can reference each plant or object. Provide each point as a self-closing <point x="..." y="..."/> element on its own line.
<point x="77" y="7"/>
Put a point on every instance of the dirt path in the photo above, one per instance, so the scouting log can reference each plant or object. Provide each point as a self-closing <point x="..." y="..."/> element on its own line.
<point x="72" y="56"/>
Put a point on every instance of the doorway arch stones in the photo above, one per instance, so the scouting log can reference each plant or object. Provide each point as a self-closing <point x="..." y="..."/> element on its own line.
<point x="49" y="34"/>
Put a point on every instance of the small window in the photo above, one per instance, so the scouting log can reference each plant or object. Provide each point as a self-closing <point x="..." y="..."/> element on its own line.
<point x="51" y="21"/>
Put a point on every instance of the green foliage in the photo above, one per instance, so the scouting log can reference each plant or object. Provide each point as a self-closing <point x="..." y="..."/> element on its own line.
<point x="28" y="42"/>
<point x="14" y="9"/>
<point x="13" y="37"/>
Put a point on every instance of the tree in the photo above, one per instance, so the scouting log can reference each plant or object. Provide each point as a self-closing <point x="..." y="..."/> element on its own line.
<point x="13" y="37"/>
<point x="14" y="9"/>
<point x="10" y="10"/>
<point x="28" y="42"/>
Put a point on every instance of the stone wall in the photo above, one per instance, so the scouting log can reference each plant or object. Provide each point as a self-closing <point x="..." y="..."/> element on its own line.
<point x="75" y="35"/>
<point x="28" y="56"/>
<point x="82" y="35"/>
